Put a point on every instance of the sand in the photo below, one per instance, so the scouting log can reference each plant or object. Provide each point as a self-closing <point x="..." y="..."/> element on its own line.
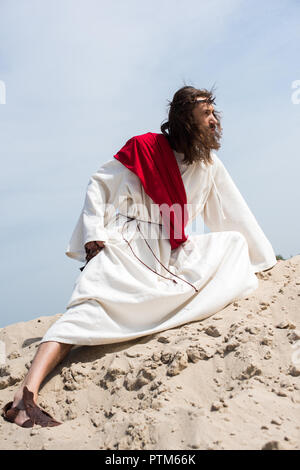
<point x="231" y="381"/>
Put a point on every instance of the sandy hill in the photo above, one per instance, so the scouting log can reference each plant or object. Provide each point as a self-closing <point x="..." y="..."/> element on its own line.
<point x="228" y="382"/>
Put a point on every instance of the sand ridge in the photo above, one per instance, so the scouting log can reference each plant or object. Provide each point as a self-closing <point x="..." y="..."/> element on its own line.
<point x="230" y="381"/>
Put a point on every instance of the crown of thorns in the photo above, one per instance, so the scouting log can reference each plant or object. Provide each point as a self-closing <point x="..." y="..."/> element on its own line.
<point x="210" y="100"/>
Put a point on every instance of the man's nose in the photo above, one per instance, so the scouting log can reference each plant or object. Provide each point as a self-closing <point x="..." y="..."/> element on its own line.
<point x="213" y="120"/>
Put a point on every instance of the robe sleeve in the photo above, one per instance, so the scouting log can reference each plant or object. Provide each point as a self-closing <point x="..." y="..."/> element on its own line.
<point x="225" y="209"/>
<point x="100" y="206"/>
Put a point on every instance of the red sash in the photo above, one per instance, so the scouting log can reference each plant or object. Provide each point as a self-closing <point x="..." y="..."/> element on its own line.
<point x="151" y="158"/>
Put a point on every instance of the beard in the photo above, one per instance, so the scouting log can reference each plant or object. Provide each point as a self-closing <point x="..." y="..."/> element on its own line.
<point x="205" y="140"/>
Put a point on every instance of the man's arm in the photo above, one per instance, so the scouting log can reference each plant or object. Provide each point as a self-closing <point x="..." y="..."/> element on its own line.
<point x="101" y="201"/>
<point x="238" y="217"/>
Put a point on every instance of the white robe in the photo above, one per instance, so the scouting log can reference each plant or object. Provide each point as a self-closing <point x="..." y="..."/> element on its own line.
<point x="117" y="298"/>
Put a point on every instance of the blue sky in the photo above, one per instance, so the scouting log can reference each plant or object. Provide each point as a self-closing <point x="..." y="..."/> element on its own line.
<point x="83" y="76"/>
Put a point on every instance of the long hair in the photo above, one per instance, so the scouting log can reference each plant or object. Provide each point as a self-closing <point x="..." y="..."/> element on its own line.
<point x="183" y="134"/>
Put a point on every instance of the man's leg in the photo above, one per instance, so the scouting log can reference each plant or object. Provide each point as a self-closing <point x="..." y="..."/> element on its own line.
<point x="48" y="355"/>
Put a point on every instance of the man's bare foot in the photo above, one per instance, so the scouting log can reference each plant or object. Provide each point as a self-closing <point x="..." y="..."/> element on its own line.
<point x="22" y="416"/>
<point x="24" y="411"/>
<point x="18" y="402"/>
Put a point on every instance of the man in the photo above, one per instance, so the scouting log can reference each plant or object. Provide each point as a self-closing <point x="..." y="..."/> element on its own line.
<point x="135" y="284"/>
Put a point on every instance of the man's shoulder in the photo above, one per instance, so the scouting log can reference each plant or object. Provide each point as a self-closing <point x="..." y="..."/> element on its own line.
<point x="215" y="158"/>
<point x="146" y="138"/>
<point x="141" y="141"/>
<point x="216" y="162"/>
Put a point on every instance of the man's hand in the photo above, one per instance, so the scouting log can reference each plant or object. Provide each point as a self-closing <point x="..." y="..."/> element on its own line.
<point x="92" y="249"/>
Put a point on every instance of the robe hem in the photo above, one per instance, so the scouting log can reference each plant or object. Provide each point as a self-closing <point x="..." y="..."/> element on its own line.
<point x="263" y="267"/>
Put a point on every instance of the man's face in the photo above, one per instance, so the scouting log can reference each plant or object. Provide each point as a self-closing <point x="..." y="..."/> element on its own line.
<point x="204" y="116"/>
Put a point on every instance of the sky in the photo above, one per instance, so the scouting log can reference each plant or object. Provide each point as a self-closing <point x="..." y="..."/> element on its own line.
<point x="80" y="77"/>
